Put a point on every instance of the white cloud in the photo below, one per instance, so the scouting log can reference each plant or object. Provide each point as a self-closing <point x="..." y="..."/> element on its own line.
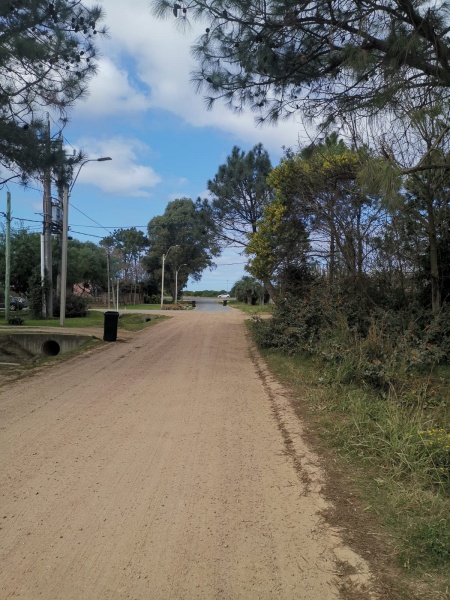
<point x="162" y="58"/>
<point x="124" y="175"/>
<point x="111" y="92"/>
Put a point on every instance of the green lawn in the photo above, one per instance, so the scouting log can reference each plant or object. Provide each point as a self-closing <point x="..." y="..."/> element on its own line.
<point x="130" y="322"/>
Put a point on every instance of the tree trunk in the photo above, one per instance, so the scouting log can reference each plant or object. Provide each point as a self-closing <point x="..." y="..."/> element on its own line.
<point x="434" y="264"/>
<point x="270" y="290"/>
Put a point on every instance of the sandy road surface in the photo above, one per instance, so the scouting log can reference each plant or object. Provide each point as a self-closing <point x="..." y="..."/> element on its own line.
<point x="157" y="469"/>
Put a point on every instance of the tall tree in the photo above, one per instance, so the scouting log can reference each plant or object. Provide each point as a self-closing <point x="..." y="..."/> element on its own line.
<point x="187" y="229"/>
<point x="47" y="57"/>
<point x="130" y="245"/>
<point x="239" y="193"/>
<point x="413" y="174"/>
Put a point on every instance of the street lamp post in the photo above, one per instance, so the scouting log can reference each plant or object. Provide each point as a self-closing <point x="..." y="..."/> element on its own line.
<point x="176" y="281"/>
<point x="162" y="276"/>
<point x="65" y="233"/>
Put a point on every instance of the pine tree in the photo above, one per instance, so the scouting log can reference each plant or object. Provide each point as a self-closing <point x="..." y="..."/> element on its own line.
<point x="321" y="57"/>
<point x="239" y="193"/>
<point x="47" y="57"/>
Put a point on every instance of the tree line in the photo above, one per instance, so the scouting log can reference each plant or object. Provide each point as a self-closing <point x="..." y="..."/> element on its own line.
<point x="127" y="255"/>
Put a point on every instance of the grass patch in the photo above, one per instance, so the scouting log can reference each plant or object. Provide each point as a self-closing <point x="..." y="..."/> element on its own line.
<point x="95" y="319"/>
<point x="396" y="450"/>
<point x="92" y="319"/>
<point x="248" y="309"/>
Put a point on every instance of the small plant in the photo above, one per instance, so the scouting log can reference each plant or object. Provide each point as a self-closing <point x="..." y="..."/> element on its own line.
<point x="15" y="321"/>
<point x="432" y="541"/>
<point x="436" y="447"/>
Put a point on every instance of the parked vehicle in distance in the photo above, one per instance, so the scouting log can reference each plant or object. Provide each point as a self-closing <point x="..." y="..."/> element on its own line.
<point x="223" y="296"/>
<point x="23" y="301"/>
<point x="14" y="303"/>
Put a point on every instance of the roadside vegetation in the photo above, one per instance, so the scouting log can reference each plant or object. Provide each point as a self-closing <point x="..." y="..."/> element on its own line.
<point x="378" y="394"/>
<point x="255" y="310"/>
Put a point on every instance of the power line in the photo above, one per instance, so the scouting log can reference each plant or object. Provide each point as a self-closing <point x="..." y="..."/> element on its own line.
<point x="100" y="237"/>
<point x="91" y="219"/>
<point x="28" y="220"/>
<point x="112" y="226"/>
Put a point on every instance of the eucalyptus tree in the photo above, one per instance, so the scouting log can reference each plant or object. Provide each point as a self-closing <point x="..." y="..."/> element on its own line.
<point x="47" y="57"/>
<point x="130" y="245"/>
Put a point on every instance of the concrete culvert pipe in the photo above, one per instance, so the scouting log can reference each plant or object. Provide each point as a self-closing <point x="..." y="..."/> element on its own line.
<point x="51" y="348"/>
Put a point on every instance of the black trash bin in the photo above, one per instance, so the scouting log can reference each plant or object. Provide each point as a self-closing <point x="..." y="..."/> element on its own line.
<point x="110" y="326"/>
<point x="225" y="302"/>
<point x="193" y="303"/>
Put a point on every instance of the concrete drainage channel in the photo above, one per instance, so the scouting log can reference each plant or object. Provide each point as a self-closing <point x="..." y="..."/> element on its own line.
<point x="45" y="344"/>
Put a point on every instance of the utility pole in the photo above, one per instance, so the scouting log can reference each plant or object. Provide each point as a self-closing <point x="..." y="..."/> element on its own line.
<point x="57" y="225"/>
<point x="109" y="277"/>
<point x="47" y="225"/>
<point x="8" y="255"/>
<point x="64" y="241"/>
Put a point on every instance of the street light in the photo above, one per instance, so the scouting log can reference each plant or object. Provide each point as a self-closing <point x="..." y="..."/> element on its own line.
<point x="65" y="232"/>
<point x="176" y="281"/>
<point x="162" y="276"/>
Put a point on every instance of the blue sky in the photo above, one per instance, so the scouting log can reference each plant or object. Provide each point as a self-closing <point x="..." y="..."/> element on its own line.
<point x="143" y="112"/>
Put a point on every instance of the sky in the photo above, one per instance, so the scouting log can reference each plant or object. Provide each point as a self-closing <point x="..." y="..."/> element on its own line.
<point x="143" y="112"/>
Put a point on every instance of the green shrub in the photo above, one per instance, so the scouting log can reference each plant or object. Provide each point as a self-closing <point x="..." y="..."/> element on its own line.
<point x="76" y="306"/>
<point x="295" y="326"/>
<point x="152" y="299"/>
<point x="380" y="350"/>
<point x="15" y="321"/>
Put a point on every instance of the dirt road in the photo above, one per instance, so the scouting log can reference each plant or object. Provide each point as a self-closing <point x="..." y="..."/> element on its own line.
<point x="159" y="468"/>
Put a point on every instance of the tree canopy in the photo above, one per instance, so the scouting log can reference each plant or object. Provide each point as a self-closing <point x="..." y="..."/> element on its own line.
<point x="239" y="193"/>
<point x="86" y="265"/>
<point x="187" y="229"/>
<point x="86" y="262"/>
<point x="320" y="215"/>
<point x="47" y="57"/>
<point x="341" y="55"/>
<point x="25" y="250"/>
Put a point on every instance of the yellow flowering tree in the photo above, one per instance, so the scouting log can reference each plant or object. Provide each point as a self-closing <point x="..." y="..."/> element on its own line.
<point x="320" y="186"/>
<point x="278" y="249"/>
